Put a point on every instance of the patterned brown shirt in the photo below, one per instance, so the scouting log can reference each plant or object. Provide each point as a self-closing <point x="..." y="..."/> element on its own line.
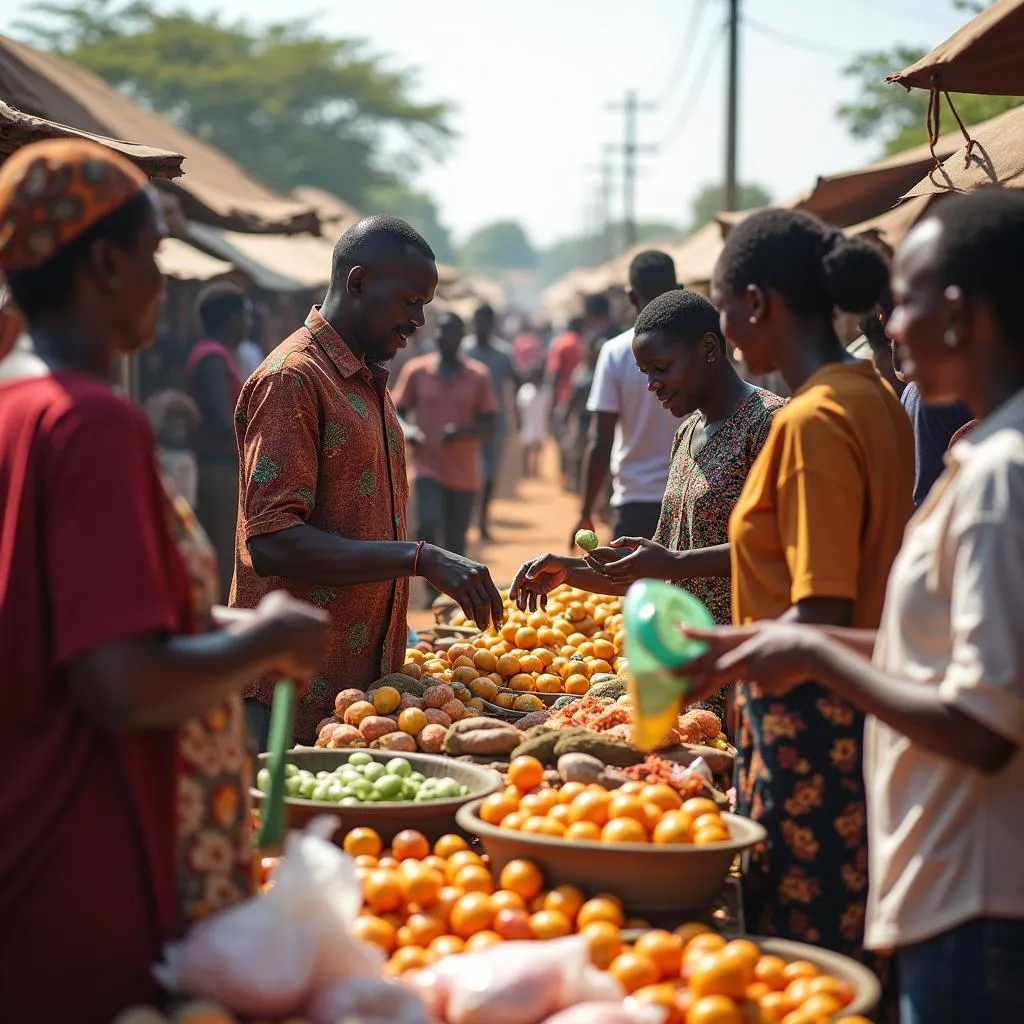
<point x="321" y="443"/>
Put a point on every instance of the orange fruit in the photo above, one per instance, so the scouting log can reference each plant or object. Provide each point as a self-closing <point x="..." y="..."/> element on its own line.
<point x="743" y="950"/>
<point x="604" y="649"/>
<point x="633" y="788"/>
<point x="590" y="806"/>
<point x="505" y="899"/>
<point x="387" y="862"/>
<point x="382" y="890"/>
<point x="586" y="831"/>
<point x="771" y="970"/>
<point x="374" y="931"/>
<point x="513" y="924"/>
<point x="623" y="830"/>
<point x="526" y="638"/>
<point x="446" y="945"/>
<point x="412" y="721"/>
<point x="821" y="1004"/>
<point x="698" y="805"/>
<point x="484" y="661"/>
<point x="421" y="885"/>
<point x="410" y="845"/>
<point x="408" y="958"/>
<point x="503" y="700"/>
<point x="439" y="864"/>
<point x="662" y="995"/>
<point x="706" y="941"/>
<point x="756" y="991"/>
<point x="465" y="674"/>
<point x="714" y="1010"/>
<point x="482" y="940"/>
<point x="799" y="969"/>
<point x="521" y="681"/>
<point x="674" y="827"/>
<point x="663" y="795"/>
<point x="710" y="834"/>
<point x="548" y="683"/>
<point x="474" y="878"/>
<point x="652" y="815"/>
<point x="449" y="844"/>
<point x="774" y="1007"/>
<point x="508" y="666"/>
<point x="522" y="877"/>
<point x="497" y="807"/>
<point x="714" y="974"/>
<point x="605" y="941"/>
<point x="425" y="928"/>
<point x="598" y="666"/>
<point x="363" y="842"/>
<point x="566" y="899"/>
<point x="627" y="806"/>
<point x="708" y="821"/>
<point x="515" y="821"/>
<point x="601" y="908"/>
<point x="386" y="699"/>
<point x="508" y="630"/>
<point x="364" y="860"/>
<point x="457" y="861"/>
<point x="530" y="664"/>
<point x="472" y="913"/>
<point x="540" y="801"/>
<point x="664" y="948"/>
<point x="691" y="930"/>
<point x="526" y="773"/>
<point x="798" y="990"/>
<point x="634" y="971"/>
<point x="560" y="813"/>
<point x="550" y="924"/>
<point x="577" y="684"/>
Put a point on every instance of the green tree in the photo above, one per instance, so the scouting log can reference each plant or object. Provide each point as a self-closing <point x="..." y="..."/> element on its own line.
<point x="503" y="245"/>
<point x="896" y="117"/>
<point x="708" y="202"/>
<point x="420" y="210"/>
<point x="292" y="105"/>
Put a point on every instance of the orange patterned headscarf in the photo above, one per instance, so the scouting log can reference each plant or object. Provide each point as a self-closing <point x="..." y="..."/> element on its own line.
<point x="53" y="191"/>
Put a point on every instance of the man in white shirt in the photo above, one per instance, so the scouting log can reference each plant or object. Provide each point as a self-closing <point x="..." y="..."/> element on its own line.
<point x="630" y="433"/>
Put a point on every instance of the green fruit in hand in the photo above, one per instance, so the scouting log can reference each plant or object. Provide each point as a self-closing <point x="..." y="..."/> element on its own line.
<point x="586" y="539"/>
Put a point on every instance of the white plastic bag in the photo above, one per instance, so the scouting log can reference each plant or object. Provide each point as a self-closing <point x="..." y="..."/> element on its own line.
<point x="628" y="1012"/>
<point x="370" y="1001"/>
<point x="513" y="983"/>
<point x="270" y="955"/>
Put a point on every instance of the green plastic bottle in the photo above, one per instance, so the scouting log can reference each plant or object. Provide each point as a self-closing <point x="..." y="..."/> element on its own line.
<point x="657" y="651"/>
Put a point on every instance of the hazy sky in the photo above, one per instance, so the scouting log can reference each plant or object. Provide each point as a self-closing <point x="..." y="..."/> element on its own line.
<point x="532" y="79"/>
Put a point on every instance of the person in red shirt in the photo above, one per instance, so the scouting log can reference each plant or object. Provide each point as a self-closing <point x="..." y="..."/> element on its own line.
<point x="96" y="607"/>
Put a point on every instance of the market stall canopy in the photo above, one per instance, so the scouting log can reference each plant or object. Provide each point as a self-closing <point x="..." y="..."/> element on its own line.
<point x="695" y="257"/>
<point x="985" y="56"/>
<point x="275" y="263"/>
<point x="215" y="190"/>
<point x="996" y="157"/>
<point x="18" y="129"/>
<point x="185" y="262"/>
<point x="892" y="226"/>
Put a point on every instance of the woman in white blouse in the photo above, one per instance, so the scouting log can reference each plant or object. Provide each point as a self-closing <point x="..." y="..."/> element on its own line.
<point x="943" y="679"/>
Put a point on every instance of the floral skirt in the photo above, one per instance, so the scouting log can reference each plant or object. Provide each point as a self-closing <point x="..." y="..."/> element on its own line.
<point x="800" y="774"/>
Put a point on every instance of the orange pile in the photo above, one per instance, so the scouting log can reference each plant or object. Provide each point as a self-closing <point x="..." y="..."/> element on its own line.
<point x="421" y="904"/>
<point x="700" y="978"/>
<point x="635" y="813"/>
<point x="560" y="650"/>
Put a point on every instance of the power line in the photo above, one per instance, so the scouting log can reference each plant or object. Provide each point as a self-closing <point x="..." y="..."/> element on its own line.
<point x="712" y="46"/>
<point x="686" y="49"/>
<point x="797" y="42"/>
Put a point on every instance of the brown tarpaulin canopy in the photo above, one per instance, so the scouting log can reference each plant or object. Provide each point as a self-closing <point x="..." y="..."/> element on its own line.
<point x="18" y="129"/>
<point x="986" y="56"/>
<point x="996" y="158"/>
<point x="215" y="189"/>
<point x="184" y="262"/>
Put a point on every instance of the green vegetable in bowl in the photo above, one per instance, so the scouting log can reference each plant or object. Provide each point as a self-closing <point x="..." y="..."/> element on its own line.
<point x="362" y="780"/>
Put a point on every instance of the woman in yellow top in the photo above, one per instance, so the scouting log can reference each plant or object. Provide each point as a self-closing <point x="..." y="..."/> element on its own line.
<point x="812" y="538"/>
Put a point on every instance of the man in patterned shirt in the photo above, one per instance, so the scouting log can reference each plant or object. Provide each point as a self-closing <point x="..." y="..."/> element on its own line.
<point x="322" y="505"/>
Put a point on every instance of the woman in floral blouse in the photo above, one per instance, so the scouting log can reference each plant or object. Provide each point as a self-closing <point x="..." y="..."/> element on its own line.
<point x="726" y="422"/>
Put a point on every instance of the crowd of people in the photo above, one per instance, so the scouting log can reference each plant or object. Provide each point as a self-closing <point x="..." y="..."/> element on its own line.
<point x="868" y="658"/>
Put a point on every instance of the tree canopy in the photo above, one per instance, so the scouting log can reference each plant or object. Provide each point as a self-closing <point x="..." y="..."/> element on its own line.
<point x="896" y="117"/>
<point x="292" y="105"/>
<point x="708" y="202"/>
<point x="503" y="245"/>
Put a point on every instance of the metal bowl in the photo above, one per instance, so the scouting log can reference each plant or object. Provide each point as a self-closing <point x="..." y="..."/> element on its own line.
<point x="645" y="876"/>
<point x="433" y="818"/>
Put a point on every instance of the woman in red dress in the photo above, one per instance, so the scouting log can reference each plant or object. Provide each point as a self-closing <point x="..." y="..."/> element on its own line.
<point x="97" y="665"/>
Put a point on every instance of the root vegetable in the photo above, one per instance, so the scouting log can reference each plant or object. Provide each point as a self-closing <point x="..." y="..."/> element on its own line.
<point x="374" y="726"/>
<point x="431" y="739"/>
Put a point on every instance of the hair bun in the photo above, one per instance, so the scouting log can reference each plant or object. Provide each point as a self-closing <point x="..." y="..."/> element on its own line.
<point x="854" y="273"/>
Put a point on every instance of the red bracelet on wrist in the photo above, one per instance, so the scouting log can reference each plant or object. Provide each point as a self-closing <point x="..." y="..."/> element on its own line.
<point x="416" y="558"/>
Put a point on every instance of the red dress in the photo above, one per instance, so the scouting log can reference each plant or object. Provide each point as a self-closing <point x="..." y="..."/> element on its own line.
<point x="87" y="819"/>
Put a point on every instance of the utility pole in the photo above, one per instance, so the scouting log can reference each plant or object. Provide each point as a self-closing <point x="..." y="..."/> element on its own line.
<point x="730" y="200"/>
<point x="630" y="150"/>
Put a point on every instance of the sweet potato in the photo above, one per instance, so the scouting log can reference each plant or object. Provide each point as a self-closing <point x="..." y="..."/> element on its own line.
<point x="481" y="736"/>
<point x="431" y="739"/>
<point x="374" y="726"/>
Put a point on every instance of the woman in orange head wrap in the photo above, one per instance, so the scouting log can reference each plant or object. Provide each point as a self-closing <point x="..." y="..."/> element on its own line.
<point x="110" y="843"/>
